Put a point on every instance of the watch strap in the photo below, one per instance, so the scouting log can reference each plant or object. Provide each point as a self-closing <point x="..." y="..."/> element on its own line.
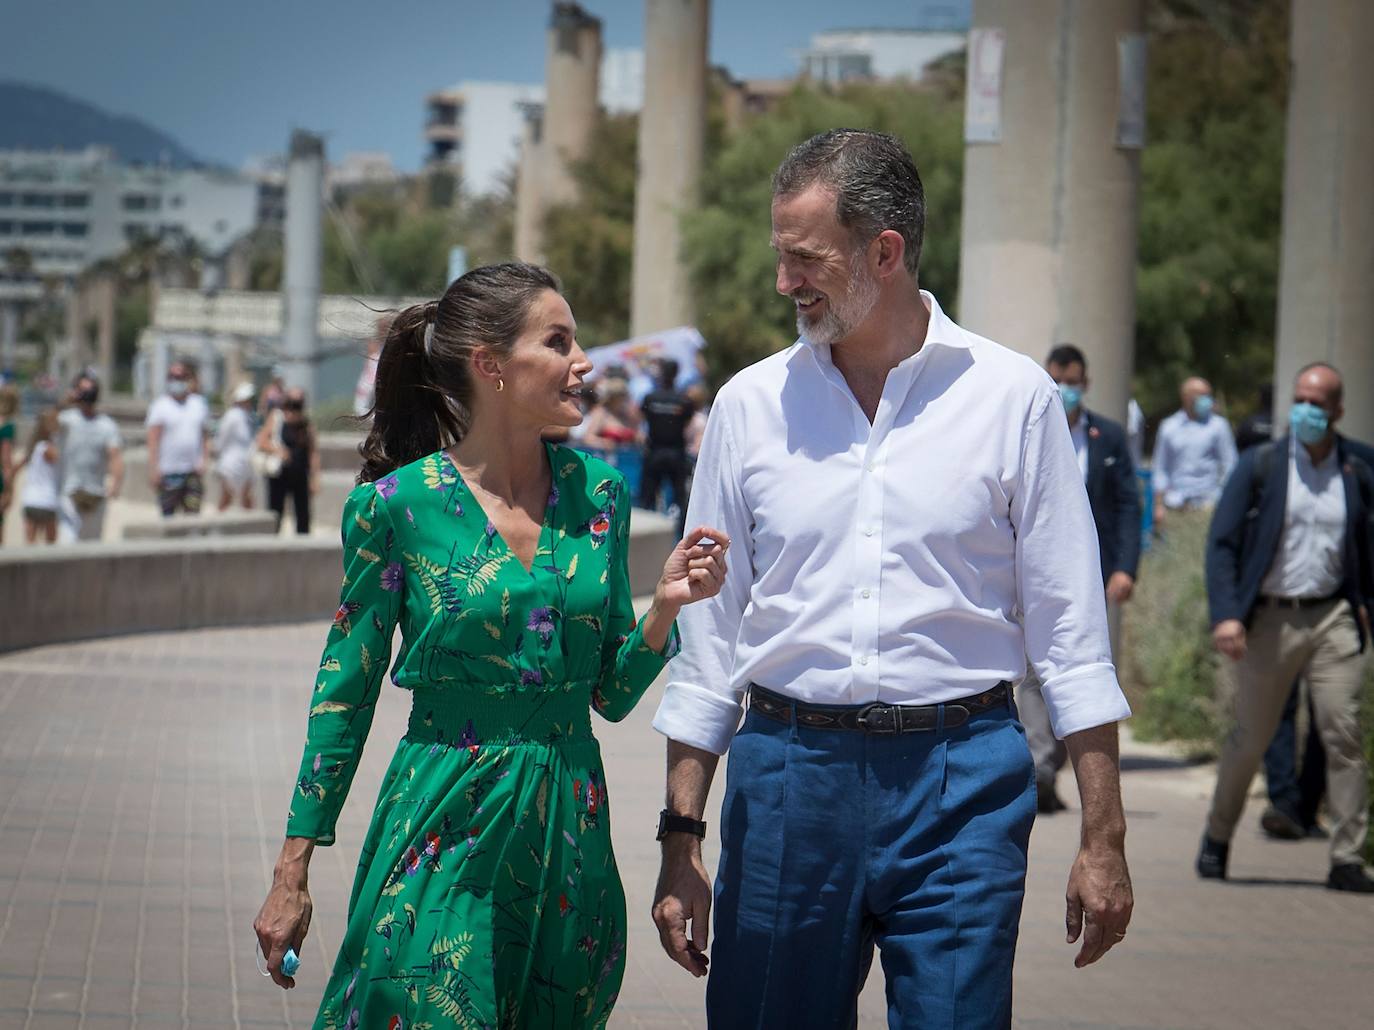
<point x="668" y="823"/>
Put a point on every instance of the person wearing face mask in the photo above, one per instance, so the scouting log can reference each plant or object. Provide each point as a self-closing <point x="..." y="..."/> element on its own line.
<point x="1104" y="458"/>
<point x="1194" y="452"/>
<point x="178" y="444"/>
<point x="92" y="463"/>
<point x="1290" y="576"/>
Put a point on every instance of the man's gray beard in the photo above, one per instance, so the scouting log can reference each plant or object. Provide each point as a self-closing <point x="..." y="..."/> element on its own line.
<point x="839" y="321"/>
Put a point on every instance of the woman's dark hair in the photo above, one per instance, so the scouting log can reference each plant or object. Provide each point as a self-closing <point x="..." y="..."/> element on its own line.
<point x="424" y="385"/>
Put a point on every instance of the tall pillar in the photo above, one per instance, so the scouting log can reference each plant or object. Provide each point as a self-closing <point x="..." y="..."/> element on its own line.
<point x="301" y="277"/>
<point x="1326" y="267"/>
<point x="103" y="298"/>
<point x="572" y="77"/>
<point x="529" y="193"/>
<point x="1051" y="182"/>
<point x="672" y="131"/>
<point x="9" y="334"/>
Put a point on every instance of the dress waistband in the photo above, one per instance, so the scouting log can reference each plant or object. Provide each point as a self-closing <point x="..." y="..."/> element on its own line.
<point x="469" y="716"/>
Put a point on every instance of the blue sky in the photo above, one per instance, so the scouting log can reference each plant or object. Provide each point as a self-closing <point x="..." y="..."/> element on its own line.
<point x="230" y="79"/>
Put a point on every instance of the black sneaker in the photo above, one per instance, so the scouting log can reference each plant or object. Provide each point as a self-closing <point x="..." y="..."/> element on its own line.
<point x="1350" y="876"/>
<point x="1279" y="825"/>
<point x="1211" y="859"/>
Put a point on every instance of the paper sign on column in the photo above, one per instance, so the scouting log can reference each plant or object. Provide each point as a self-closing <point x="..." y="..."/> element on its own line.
<point x="983" y="108"/>
<point x="1130" y="90"/>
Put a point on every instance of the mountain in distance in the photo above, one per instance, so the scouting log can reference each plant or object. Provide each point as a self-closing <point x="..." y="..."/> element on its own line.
<point x="36" y="118"/>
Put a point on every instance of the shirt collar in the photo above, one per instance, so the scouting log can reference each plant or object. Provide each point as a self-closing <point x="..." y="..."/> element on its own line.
<point x="1303" y="456"/>
<point x="942" y="331"/>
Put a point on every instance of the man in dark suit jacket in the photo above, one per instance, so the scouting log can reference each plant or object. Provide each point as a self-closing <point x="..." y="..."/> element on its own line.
<point x="1109" y="475"/>
<point x="1290" y="574"/>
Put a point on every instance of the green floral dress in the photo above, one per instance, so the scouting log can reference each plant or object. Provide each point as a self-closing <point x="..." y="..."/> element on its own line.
<point x="487" y="894"/>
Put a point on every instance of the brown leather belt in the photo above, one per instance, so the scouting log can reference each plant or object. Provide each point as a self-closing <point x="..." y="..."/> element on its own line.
<point x="877" y="717"/>
<point x="1297" y="602"/>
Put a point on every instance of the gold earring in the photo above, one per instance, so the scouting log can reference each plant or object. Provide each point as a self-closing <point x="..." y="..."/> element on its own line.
<point x="500" y="385"/>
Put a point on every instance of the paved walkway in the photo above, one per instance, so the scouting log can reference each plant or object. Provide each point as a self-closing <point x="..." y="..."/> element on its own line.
<point x="143" y="785"/>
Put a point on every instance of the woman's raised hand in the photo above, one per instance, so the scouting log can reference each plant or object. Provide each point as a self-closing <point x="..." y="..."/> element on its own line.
<point x="696" y="568"/>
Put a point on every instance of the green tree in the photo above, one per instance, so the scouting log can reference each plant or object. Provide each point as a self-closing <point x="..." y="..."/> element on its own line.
<point x="1211" y="199"/>
<point x="590" y="242"/>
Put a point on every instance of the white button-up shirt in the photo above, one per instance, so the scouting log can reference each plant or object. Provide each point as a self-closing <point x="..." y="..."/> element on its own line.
<point x="1192" y="459"/>
<point x="1078" y="433"/>
<point x="1310" y="561"/>
<point x="912" y="561"/>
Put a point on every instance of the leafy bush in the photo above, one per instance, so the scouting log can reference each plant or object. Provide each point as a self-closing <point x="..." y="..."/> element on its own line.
<point x="1168" y="667"/>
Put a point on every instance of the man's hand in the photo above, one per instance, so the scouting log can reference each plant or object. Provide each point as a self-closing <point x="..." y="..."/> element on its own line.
<point x="683" y="895"/>
<point x="1160" y="511"/>
<point x="1229" y="638"/>
<point x="1364" y="620"/>
<point x="1119" y="587"/>
<point x="1099" y="896"/>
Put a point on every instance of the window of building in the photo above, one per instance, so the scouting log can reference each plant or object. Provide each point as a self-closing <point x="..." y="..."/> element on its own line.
<point x="133" y="232"/>
<point x="75" y="200"/>
<point x="141" y="202"/>
<point x="39" y="228"/>
<point x="38" y="200"/>
<point x="176" y="201"/>
<point x="6" y="199"/>
<point x="6" y="228"/>
<point x="75" y="229"/>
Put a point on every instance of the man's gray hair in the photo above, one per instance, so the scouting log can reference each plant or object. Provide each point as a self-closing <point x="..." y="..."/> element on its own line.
<point x="875" y="182"/>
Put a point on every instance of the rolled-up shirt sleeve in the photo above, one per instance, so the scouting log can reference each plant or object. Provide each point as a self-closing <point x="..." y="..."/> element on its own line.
<point x="1059" y="581"/>
<point x="700" y="705"/>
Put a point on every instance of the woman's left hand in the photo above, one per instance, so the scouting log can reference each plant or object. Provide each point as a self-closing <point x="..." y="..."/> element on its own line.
<point x="695" y="570"/>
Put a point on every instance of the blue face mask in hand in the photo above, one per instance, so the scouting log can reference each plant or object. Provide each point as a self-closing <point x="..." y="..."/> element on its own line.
<point x="1072" y="396"/>
<point x="1309" y="422"/>
<point x="1202" y="407"/>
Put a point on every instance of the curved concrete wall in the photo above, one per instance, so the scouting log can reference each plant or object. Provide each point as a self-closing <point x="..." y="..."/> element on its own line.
<point x="75" y="592"/>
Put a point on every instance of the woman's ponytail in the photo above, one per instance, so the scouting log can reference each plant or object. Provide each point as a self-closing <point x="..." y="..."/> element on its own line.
<point x="410" y="415"/>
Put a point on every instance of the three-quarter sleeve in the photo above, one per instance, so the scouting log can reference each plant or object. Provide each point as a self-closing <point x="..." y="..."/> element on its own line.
<point x="1059" y="579"/>
<point x="352" y="667"/>
<point x="628" y="664"/>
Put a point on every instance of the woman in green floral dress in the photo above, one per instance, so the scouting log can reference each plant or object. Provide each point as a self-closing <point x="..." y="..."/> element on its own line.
<point x="487" y="893"/>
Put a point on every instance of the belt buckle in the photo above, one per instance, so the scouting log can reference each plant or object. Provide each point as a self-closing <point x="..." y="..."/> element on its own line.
<point x="887" y="725"/>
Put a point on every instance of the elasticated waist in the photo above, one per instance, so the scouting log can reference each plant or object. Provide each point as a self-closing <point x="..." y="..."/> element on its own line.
<point x="469" y="715"/>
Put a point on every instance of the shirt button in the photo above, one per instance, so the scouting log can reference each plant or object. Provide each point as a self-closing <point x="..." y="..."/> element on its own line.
<point x="868" y="593"/>
<point x="863" y="660"/>
<point x="868" y="532"/>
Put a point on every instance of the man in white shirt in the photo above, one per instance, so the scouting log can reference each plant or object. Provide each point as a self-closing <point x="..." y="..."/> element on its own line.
<point x="1290" y="576"/>
<point x="178" y="444"/>
<point x="1194" y="452"/>
<point x="913" y="525"/>
<point x="92" y="463"/>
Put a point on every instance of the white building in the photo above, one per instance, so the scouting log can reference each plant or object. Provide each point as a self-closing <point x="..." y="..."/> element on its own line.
<point x="474" y="128"/>
<point x="842" y="55"/>
<point x="68" y="210"/>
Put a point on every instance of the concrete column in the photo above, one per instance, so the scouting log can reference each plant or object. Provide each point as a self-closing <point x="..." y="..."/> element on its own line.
<point x="572" y="79"/>
<point x="529" y="193"/>
<point x="1050" y="208"/>
<point x="102" y="292"/>
<point x="9" y="335"/>
<point x="301" y="276"/>
<point x="672" y="130"/>
<point x="1326" y="268"/>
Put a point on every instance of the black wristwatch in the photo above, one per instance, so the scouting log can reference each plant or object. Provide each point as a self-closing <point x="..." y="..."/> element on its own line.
<point x="669" y="823"/>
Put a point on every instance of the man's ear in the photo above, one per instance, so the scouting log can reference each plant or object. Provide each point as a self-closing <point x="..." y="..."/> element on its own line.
<point x="891" y="252"/>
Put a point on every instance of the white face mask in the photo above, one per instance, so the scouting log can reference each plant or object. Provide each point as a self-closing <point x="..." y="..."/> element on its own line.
<point x="178" y="387"/>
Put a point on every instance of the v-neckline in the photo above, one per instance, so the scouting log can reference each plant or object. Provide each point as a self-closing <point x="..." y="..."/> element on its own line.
<point x="496" y="534"/>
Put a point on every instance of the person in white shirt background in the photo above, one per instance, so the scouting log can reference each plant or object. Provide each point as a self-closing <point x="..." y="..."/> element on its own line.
<point x="914" y="526"/>
<point x="1194" y="452"/>
<point x="92" y="463"/>
<point x="178" y="443"/>
<point x="233" y="446"/>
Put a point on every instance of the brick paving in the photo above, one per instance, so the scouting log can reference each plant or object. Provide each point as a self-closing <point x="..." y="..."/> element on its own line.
<point x="143" y="786"/>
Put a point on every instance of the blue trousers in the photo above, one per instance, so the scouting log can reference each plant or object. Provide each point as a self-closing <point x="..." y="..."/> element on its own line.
<point x="833" y="841"/>
<point x="1297" y="792"/>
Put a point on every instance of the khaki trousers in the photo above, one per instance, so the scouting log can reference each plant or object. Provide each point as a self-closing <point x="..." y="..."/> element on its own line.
<point x="1322" y="644"/>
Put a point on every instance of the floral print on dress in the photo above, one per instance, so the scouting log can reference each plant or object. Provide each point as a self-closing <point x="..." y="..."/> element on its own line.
<point x="487" y="893"/>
